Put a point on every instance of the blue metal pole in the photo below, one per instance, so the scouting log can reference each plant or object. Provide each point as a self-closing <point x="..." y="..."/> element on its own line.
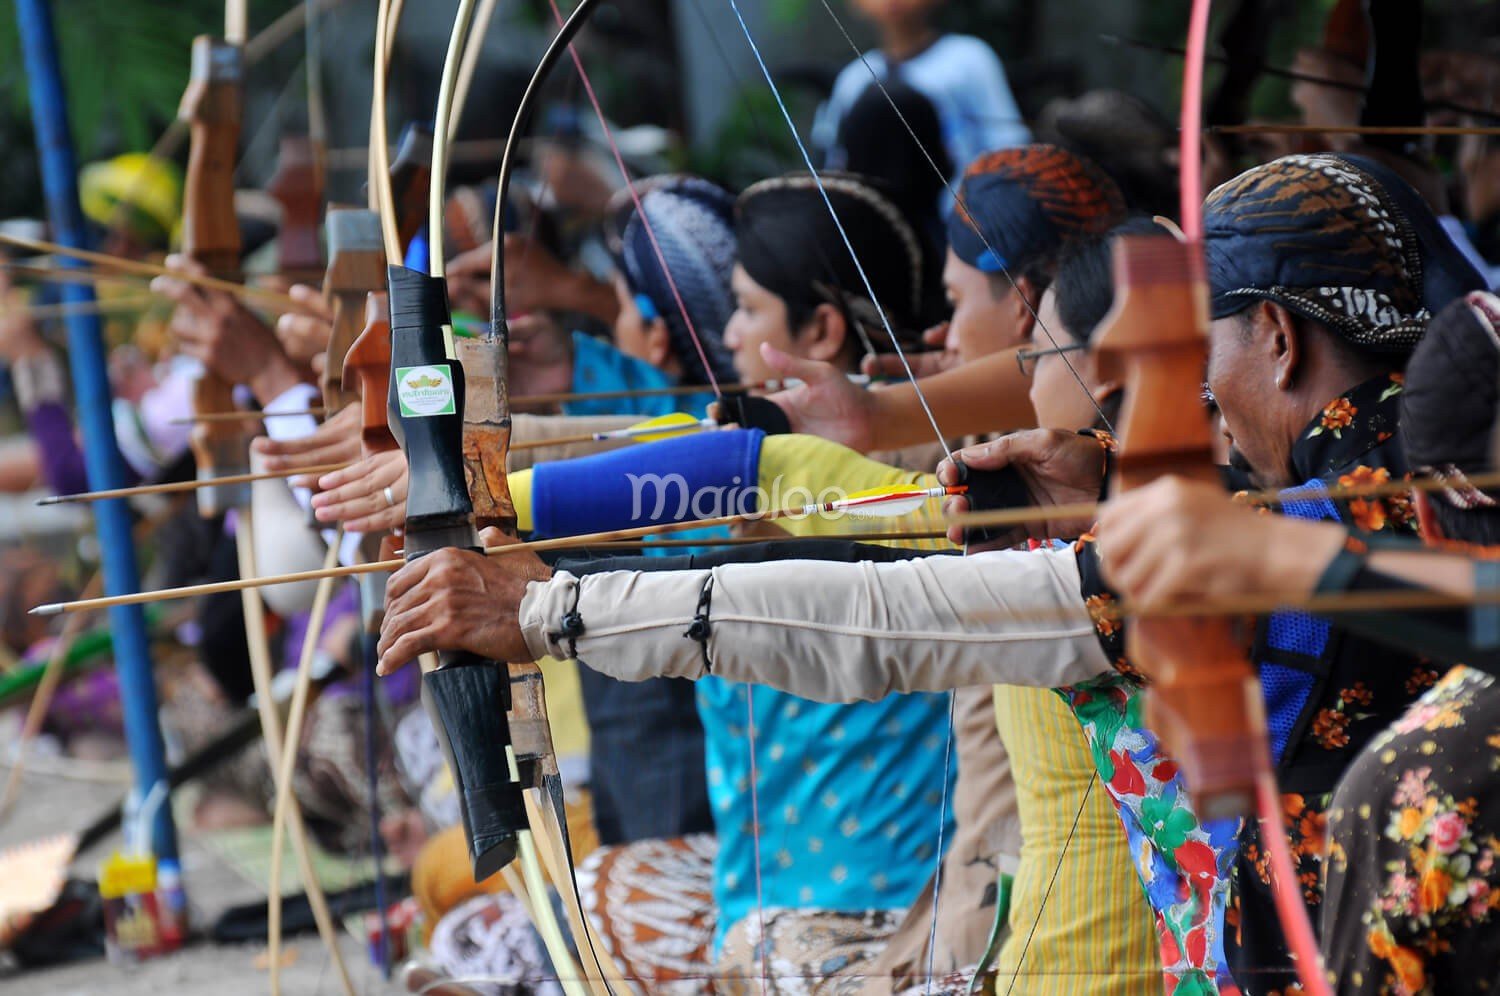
<point x="49" y="112"/>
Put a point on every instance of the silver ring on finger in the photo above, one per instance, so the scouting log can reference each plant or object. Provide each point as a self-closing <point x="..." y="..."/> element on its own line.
<point x="390" y="497"/>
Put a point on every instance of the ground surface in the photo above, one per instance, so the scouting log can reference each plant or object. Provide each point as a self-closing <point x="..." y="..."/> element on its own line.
<point x="49" y="804"/>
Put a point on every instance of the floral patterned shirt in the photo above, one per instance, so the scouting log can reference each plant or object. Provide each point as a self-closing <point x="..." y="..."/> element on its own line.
<point x="1413" y="876"/>
<point x="1327" y="694"/>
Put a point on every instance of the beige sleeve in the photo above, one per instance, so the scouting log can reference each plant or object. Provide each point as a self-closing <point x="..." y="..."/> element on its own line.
<point x="833" y="632"/>
<point x="536" y="428"/>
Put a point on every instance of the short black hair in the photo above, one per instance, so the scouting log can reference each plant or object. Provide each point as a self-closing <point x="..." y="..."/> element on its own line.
<point x="1039" y="271"/>
<point x="1085" y="282"/>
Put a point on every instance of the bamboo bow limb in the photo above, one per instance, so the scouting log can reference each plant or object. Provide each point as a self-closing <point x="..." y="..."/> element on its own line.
<point x="260" y="672"/>
<point x="285" y="762"/>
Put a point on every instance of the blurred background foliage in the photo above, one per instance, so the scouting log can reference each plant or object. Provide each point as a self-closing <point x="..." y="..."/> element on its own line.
<point x="126" y="61"/>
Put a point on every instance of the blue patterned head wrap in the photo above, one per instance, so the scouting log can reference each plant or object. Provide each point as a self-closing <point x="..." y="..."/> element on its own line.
<point x="693" y="221"/>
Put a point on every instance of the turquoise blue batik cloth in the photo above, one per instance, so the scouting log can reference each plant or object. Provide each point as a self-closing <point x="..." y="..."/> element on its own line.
<point x="851" y="799"/>
<point x="599" y="366"/>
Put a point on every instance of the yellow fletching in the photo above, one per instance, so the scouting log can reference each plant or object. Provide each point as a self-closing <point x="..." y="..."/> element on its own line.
<point x="662" y="427"/>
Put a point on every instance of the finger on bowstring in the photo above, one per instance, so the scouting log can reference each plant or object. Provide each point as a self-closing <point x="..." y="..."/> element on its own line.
<point x="1015" y="449"/>
<point x="955" y="505"/>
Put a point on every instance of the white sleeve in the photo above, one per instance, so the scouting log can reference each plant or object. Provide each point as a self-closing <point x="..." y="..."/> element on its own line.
<point x="287" y="419"/>
<point x="833" y="632"/>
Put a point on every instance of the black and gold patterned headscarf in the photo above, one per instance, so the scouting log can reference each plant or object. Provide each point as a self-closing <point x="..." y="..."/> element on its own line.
<point x="1341" y="240"/>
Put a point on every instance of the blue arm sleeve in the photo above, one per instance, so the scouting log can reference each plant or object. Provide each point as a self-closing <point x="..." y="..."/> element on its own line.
<point x="676" y="480"/>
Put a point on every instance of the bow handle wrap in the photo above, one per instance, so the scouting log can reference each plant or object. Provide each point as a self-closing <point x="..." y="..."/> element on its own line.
<point x="467" y="697"/>
<point x="212" y="107"/>
<point x="426" y="406"/>
<point x="1205" y="700"/>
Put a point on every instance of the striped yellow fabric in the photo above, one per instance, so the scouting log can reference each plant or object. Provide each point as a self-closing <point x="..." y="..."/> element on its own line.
<point x="1094" y="933"/>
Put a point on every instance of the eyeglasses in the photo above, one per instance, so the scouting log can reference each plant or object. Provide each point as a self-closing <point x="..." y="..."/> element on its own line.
<point x="1025" y="356"/>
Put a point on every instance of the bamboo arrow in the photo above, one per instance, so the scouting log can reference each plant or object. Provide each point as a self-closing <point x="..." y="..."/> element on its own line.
<point x="649" y="431"/>
<point x="245" y="415"/>
<point x="860" y="503"/>
<point x="124" y="304"/>
<point x="1270" y="496"/>
<point x="270" y="299"/>
<point x="176" y="487"/>
<point x="558" y="397"/>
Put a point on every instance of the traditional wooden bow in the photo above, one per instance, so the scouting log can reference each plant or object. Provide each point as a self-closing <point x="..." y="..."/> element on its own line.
<point x="298" y="187"/>
<point x="468" y="698"/>
<point x="1205" y="700"/>
<point x="212" y="108"/>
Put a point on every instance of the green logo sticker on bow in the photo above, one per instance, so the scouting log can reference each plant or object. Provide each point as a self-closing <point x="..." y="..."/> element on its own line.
<point x="425" y="391"/>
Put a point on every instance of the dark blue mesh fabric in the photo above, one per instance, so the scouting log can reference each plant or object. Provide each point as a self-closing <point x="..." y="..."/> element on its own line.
<point x="1287" y="688"/>
<point x="1297" y="632"/>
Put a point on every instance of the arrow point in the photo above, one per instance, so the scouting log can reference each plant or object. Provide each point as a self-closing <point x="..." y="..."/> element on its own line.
<point x="50" y="609"/>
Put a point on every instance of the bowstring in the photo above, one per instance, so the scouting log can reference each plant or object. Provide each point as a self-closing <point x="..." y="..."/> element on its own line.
<point x="838" y="224"/>
<point x="963" y="206"/>
<point x="931" y="418"/>
<point x="640" y="208"/>
<point x="708" y="371"/>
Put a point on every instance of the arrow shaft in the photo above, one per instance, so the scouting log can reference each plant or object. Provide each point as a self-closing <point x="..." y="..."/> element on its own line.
<point x="179" y="486"/>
